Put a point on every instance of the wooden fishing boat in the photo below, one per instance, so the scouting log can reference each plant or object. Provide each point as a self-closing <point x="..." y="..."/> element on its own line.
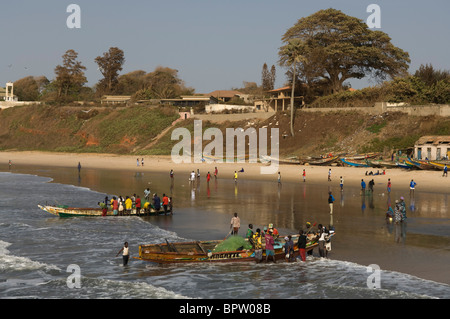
<point x="425" y="165"/>
<point x="323" y="161"/>
<point x="362" y="156"/>
<point x="203" y="251"/>
<point x="64" y="211"/>
<point x="381" y="164"/>
<point x="288" y="160"/>
<point x="404" y="164"/>
<point x="439" y="165"/>
<point x="354" y="163"/>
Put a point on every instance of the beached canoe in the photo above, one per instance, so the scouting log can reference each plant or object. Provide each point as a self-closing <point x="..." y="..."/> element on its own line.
<point x="425" y="165"/>
<point x="63" y="211"/>
<point x="354" y="163"/>
<point x="203" y="251"/>
<point x="362" y="156"/>
<point x="439" y="165"/>
<point x="322" y="161"/>
<point x="288" y="160"/>
<point x="381" y="164"/>
<point x="406" y="165"/>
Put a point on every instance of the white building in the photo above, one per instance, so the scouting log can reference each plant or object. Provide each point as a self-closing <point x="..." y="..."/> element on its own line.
<point x="433" y="148"/>
<point x="7" y="94"/>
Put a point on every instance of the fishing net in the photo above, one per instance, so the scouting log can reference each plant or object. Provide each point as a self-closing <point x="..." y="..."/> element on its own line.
<point x="233" y="243"/>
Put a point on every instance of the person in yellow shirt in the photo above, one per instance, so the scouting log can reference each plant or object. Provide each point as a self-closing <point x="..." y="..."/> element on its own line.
<point x="258" y="246"/>
<point x="128" y="205"/>
<point x="147" y="207"/>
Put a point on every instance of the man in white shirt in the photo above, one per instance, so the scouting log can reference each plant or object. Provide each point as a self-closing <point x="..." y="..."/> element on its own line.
<point x="235" y="224"/>
<point x="125" y="254"/>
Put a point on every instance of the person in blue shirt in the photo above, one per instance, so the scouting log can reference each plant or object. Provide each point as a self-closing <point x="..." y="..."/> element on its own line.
<point x="412" y="187"/>
<point x="363" y="186"/>
<point x="445" y="171"/>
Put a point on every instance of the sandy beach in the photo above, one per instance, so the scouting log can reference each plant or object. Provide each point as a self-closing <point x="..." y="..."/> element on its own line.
<point x="427" y="181"/>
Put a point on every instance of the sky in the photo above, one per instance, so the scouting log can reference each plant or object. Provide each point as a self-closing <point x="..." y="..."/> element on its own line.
<point x="214" y="45"/>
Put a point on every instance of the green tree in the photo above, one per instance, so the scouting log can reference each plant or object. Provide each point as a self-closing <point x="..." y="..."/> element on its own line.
<point x="430" y="76"/>
<point x="273" y="75"/>
<point x="69" y="77"/>
<point x="267" y="78"/>
<point x="130" y="83"/>
<point x="335" y="47"/>
<point x="164" y="83"/>
<point x="110" y="64"/>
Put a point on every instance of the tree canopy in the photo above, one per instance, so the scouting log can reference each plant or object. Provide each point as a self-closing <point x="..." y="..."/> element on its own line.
<point x="110" y="64"/>
<point x="333" y="47"/>
<point x="70" y="77"/>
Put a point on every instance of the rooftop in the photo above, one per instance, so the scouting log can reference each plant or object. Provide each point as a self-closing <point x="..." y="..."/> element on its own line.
<point x="224" y="93"/>
<point x="434" y="139"/>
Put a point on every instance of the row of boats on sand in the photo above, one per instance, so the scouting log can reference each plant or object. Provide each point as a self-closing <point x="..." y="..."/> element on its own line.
<point x="365" y="160"/>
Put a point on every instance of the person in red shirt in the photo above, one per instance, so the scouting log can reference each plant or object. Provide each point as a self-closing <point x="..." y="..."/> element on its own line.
<point x="138" y="205"/>
<point x="208" y="177"/>
<point x="165" y="201"/>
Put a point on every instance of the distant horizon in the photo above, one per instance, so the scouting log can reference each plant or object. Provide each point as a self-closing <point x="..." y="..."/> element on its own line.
<point x="213" y="45"/>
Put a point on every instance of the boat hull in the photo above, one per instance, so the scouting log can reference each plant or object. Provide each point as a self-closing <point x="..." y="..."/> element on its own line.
<point x="354" y="163"/>
<point x="322" y="161"/>
<point x="421" y="164"/>
<point x="195" y="252"/>
<point x="92" y="212"/>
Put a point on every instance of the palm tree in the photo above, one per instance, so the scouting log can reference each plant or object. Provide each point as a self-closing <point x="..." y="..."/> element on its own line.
<point x="289" y="57"/>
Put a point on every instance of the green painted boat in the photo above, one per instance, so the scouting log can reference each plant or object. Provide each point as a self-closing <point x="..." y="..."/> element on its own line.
<point x="64" y="211"/>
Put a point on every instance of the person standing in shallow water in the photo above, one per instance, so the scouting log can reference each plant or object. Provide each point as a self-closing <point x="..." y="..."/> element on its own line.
<point x="125" y="253"/>
<point x="412" y="187"/>
<point x="235" y="224"/>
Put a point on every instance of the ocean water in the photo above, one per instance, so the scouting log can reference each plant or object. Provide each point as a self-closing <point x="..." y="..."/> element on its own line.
<point x="38" y="252"/>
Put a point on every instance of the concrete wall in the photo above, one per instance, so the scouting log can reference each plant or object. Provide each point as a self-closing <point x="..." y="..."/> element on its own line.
<point x="382" y="107"/>
<point x="222" y="107"/>
<point x="5" y="105"/>
<point x="219" y="118"/>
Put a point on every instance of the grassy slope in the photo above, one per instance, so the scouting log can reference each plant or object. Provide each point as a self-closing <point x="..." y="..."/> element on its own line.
<point x="111" y="130"/>
<point x="130" y="130"/>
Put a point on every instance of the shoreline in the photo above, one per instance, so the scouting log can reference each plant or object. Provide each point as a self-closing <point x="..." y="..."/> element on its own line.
<point x="427" y="181"/>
